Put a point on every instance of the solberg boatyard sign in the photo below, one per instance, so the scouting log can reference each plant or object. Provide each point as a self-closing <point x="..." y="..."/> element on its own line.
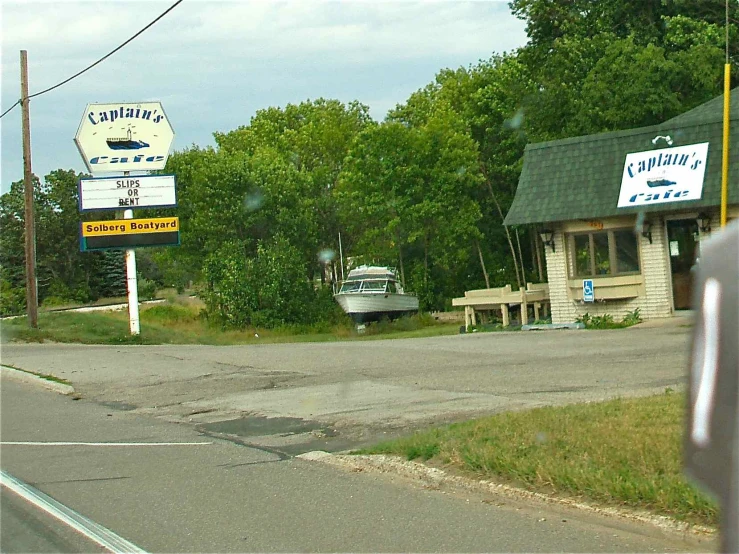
<point x="124" y="137"/>
<point x="666" y="175"/>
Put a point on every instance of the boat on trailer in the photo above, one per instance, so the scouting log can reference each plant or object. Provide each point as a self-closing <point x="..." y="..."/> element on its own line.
<point x="371" y="293"/>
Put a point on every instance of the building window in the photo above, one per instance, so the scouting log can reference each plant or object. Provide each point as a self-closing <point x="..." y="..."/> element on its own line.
<point x="604" y="253"/>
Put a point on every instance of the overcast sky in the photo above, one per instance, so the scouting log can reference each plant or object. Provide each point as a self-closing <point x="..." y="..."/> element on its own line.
<point x="213" y="64"/>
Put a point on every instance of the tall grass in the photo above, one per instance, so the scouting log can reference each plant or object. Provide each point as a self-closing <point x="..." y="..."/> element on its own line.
<point x="183" y="322"/>
<point x="624" y="452"/>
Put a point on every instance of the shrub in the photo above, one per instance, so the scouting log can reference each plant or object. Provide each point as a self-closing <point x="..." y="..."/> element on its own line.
<point x="147" y="289"/>
<point x="606" y="321"/>
<point x="268" y="291"/>
<point x="54" y="301"/>
<point x="59" y="293"/>
<point x="170" y="313"/>
<point x="632" y="318"/>
<point x="12" y="299"/>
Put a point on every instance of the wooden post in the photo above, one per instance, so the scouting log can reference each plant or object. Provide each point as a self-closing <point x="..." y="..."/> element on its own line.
<point x="30" y="227"/>
<point x="504" y="310"/>
<point x="524" y="310"/>
<point x="537" y="249"/>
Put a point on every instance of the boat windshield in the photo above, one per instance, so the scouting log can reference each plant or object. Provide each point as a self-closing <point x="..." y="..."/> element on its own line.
<point x="351" y="286"/>
<point x="374" y="286"/>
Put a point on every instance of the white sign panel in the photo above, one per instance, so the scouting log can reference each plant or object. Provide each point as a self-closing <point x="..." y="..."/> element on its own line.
<point x="666" y="175"/>
<point x="124" y="137"/>
<point x="115" y="193"/>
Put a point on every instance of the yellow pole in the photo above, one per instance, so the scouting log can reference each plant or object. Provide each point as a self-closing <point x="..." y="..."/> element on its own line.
<point x="725" y="160"/>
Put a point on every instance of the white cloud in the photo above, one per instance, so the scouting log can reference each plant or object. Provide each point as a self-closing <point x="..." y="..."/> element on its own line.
<point x="213" y="64"/>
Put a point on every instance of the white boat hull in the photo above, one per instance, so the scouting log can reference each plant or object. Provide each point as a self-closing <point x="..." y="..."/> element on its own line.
<point x="363" y="307"/>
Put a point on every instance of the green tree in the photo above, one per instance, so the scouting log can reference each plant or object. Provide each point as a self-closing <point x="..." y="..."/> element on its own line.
<point x="269" y="290"/>
<point x="406" y="198"/>
<point x="63" y="272"/>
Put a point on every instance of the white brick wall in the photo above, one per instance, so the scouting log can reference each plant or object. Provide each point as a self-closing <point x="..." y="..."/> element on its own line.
<point x="655" y="267"/>
<point x="563" y="309"/>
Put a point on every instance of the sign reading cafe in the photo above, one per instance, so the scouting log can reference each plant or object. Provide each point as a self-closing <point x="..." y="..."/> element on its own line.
<point x="124" y="137"/>
<point x="666" y="175"/>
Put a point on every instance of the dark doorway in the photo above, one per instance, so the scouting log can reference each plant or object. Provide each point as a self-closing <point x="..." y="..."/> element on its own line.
<point x="682" y="246"/>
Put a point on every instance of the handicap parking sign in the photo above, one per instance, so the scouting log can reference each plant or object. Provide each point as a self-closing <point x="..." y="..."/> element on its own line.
<point x="588" y="295"/>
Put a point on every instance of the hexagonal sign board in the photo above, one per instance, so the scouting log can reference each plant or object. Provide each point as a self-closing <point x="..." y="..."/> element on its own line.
<point x="124" y="137"/>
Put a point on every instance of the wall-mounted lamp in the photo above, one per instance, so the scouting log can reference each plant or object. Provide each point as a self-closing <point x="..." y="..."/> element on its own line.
<point x="646" y="231"/>
<point x="704" y="222"/>
<point x="547" y="237"/>
<point x="666" y="138"/>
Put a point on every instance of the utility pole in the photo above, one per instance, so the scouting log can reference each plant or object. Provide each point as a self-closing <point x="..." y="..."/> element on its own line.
<point x="30" y="227"/>
<point x="727" y="126"/>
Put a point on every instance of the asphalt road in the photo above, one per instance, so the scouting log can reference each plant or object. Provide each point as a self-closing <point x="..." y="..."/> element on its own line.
<point x="225" y="497"/>
<point x="332" y="396"/>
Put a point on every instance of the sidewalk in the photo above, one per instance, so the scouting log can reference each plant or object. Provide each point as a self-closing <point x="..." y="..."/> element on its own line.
<point x="681" y="318"/>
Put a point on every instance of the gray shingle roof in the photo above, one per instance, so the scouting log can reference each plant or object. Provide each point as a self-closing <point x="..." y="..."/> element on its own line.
<point x="580" y="177"/>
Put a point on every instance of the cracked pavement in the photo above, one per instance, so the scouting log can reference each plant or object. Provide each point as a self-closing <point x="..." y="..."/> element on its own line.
<point x="357" y="392"/>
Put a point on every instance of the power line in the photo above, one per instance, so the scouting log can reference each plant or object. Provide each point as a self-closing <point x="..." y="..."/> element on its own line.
<point x="173" y="6"/>
<point x="10" y="108"/>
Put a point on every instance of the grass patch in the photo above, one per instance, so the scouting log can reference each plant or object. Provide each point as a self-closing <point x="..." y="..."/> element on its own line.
<point x="181" y="322"/>
<point x="623" y="452"/>
<point x="46" y="376"/>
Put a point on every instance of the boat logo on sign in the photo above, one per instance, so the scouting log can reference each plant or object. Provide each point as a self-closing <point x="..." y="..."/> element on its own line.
<point x="126" y="143"/>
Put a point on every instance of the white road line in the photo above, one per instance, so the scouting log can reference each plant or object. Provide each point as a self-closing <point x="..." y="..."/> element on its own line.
<point x="93" y="531"/>
<point x="51" y="443"/>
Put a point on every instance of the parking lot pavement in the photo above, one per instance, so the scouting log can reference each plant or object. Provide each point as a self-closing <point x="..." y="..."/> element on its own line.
<point x="335" y="395"/>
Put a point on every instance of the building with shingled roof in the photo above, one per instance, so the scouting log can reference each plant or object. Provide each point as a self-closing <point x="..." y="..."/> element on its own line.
<point x="625" y="211"/>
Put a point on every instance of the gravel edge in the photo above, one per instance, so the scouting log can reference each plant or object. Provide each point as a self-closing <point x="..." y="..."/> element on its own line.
<point x="437" y="478"/>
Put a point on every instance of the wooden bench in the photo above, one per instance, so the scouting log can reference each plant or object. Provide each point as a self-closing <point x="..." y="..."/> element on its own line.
<point x="480" y="299"/>
<point x="538" y="295"/>
<point x="500" y="299"/>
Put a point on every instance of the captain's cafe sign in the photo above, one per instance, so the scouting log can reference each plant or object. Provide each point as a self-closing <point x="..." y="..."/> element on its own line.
<point x="124" y="137"/>
<point x="666" y="175"/>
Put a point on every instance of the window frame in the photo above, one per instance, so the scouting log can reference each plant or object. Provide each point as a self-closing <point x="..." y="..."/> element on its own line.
<point x="612" y="253"/>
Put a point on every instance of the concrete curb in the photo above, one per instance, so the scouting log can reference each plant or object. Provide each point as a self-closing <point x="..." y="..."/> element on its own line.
<point x="34" y="378"/>
<point x="431" y="477"/>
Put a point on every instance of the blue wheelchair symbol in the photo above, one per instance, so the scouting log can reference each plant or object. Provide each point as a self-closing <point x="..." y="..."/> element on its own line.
<point x="588" y="294"/>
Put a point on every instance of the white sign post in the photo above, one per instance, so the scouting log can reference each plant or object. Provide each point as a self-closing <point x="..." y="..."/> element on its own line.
<point x="126" y="137"/>
<point x="132" y="286"/>
<point x="115" y="193"/>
